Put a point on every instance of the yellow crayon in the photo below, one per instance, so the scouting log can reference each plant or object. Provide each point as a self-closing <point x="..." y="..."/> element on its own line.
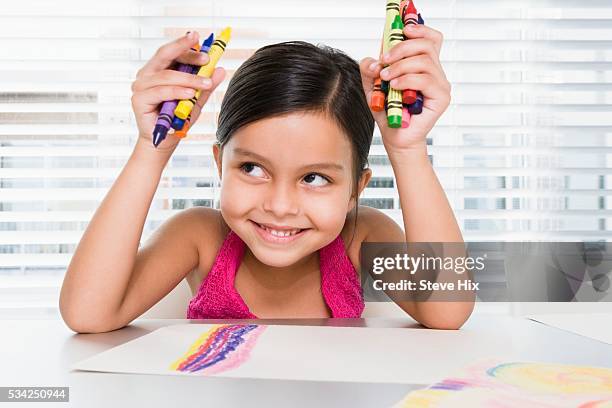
<point x="184" y="107"/>
<point x="393" y="9"/>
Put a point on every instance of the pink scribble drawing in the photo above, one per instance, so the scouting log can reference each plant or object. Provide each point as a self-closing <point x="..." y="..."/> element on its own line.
<point x="221" y="348"/>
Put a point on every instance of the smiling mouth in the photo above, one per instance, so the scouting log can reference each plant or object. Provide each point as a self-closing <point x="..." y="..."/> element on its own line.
<point x="279" y="235"/>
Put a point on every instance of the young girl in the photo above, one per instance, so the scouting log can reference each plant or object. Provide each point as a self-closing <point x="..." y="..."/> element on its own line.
<point x="292" y="144"/>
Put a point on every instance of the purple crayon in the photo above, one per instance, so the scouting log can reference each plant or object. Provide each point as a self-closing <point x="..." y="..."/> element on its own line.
<point x="416" y="108"/>
<point x="166" y="114"/>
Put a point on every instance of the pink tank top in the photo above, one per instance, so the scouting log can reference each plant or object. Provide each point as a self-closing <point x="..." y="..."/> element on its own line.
<point x="217" y="297"/>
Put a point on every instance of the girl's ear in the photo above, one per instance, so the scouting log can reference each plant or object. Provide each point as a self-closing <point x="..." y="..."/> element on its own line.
<point x="217" y="155"/>
<point x="366" y="175"/>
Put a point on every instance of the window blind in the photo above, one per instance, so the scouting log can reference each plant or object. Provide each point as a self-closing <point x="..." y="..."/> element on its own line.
<point x="523" y="152"/>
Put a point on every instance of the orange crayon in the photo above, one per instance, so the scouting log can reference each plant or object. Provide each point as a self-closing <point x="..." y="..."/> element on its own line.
<point x="183" y="132"/>
<point x="378" y="96"/>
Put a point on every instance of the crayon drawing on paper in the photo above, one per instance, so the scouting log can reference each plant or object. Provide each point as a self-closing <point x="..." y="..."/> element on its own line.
<point x="223" y="347"/>
<point x="525" y="385"/>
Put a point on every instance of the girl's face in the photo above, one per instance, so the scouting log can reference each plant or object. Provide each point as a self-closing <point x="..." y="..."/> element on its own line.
<point x="292" y="173"/>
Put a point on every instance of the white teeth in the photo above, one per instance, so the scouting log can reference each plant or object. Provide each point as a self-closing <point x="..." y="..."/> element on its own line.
<point x="280" y="233"/>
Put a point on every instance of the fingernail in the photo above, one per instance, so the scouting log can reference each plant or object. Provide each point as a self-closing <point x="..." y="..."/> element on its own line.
<point x="206" y="82"/>
<point x="373" y="66"/>
<point x="386" y="57"/>
<point x="189" y="92"/>
<point x="393" y="83"/>
<point x="411" y="27"/>
<point x="384" y="73"/>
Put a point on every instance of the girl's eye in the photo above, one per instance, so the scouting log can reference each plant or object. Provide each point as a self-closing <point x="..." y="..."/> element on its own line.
<point x="249" y="167"/>
<point x="314" y="179"/>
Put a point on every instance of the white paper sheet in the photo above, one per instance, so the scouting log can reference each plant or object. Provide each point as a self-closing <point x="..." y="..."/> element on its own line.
<point x="596" y="326"/>
<point x="317" y="353"/>
<point x="499" y="383"/>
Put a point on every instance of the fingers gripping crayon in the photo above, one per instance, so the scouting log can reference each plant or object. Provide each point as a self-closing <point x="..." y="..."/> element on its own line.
<point x="178" y="123"/>
<point x="185" y="106"/>
<point x="166" y="113"/>
<point x="409" y="17"/>
<point x="394" y="108"/>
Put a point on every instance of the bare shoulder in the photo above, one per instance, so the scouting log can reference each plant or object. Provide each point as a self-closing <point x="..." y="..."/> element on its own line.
<point x="380" y="227"/>
<point x="204" y="217"/>
<point x="372" y="225"/>
<point x="208" y="230"/>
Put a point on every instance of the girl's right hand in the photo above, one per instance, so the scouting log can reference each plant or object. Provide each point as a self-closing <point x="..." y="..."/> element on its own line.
<point x="156" y="82"/>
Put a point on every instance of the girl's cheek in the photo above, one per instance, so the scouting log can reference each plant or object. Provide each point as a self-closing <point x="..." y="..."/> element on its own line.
<point x="229" y="192"/>
<point x="237" y="195"/>
<point x="329" y="213"/>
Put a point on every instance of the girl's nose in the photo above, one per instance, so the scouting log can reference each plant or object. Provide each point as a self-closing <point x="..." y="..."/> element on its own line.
<point x="281" y="201"/>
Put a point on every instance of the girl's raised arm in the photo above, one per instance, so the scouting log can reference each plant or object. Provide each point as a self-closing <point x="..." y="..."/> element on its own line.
<point x="426" y="212"/>
<point x="97" y="292"/>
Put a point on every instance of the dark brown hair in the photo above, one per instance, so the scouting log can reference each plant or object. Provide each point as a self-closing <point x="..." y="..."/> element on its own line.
<point x="297" y="76"/>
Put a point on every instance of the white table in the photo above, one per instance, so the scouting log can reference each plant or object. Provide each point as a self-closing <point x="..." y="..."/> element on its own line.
<point x="39" y="352"/>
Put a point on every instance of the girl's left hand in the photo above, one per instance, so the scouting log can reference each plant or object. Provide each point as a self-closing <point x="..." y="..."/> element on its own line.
<point x="413" y="64"/>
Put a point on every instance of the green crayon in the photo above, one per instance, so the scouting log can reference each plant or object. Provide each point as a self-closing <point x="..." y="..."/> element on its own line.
<point x="394" y="103"/>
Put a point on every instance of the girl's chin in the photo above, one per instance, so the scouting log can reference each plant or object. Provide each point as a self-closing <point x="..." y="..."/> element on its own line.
<point x="274" y="260"/>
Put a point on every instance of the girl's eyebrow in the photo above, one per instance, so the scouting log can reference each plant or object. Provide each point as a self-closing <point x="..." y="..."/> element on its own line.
<point x="332" y="166"/>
